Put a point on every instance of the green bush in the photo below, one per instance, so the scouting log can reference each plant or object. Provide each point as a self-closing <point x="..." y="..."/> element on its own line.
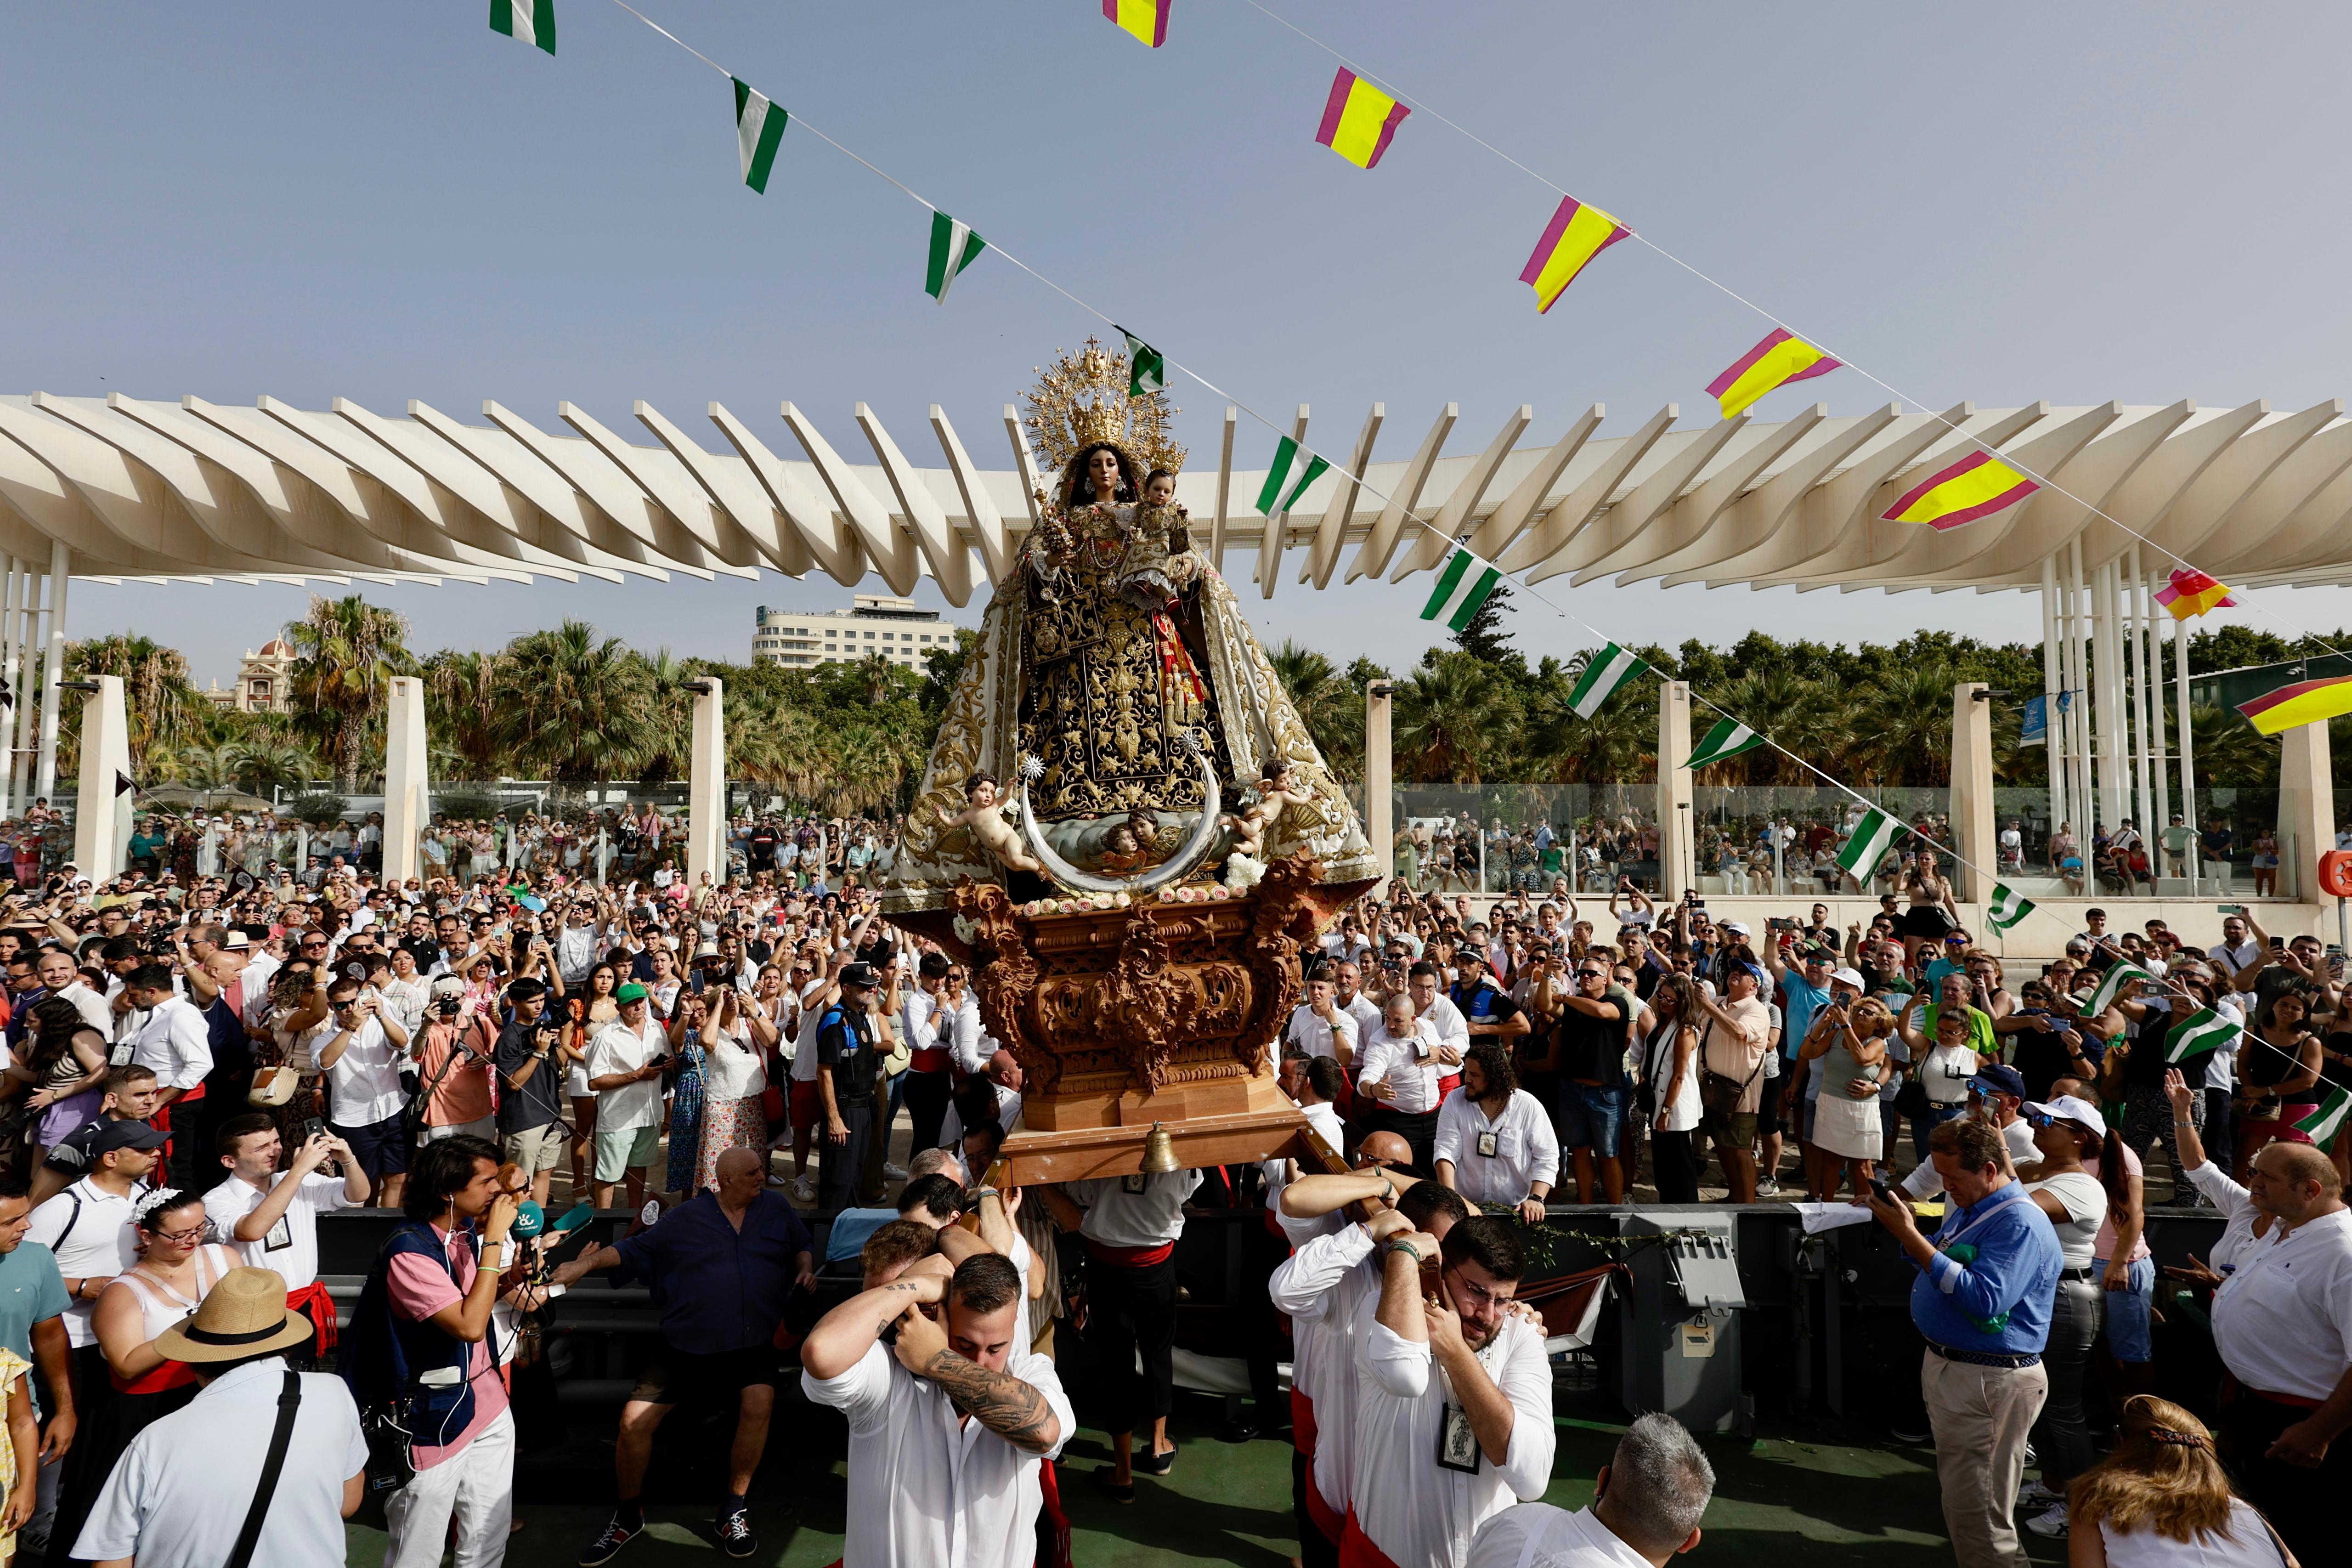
<point x="322" y="809"/>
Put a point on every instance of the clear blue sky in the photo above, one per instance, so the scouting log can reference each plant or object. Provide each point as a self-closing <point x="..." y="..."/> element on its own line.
<point x="2004" y="202"/>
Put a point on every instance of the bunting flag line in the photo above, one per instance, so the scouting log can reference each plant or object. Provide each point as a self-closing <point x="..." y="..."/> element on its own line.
<point x="1358" y="119"/>
<point x="1607" y="672"/>
<point x="1287" y="479"/>
<point x="1978" y="485"/>
<point x="2202" y="1031"/>
<point x="2304" y="702"/>
<point x="2191" y="592"/>
<point x="1577" y="234"/>
<point x="1146" y="367"/>
<point x="2110" y="986"/>
<point x="954" y="247"/>
<point x="1782" y="357"/>
<point x="1462" y="586"/>
<point x="1872" y="837"/>
<point x="2323" y="1124"/>
<point x="525" y="21"/>
<point x="2006" y="908"/>
<point x="1728" y="739"/>
<point x="1146" y="19"/>
<point x="759" y="128"/>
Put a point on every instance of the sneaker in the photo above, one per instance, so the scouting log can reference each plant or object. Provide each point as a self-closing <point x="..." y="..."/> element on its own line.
<point x="1768" y="1188"/>
<point x="607" y="1546"/>
<point x="803" y="1190"/>
<point x="1909" y="1432"/>
<point x="2033" y="1496"/>
<point x="2030" y="1457"/>
<point x="735" y="1537"/>
<point x="891" y="1172"/>
<point x="2050" y="1523"/>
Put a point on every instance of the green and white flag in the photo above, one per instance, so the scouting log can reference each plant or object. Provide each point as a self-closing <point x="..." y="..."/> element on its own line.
<point x="2110" y="986"/>
<point x="759" y="126"/>
<point x="528" y="21"/>
<point x="2323" y="1124"/>
<point x="1147" y="369"/>
<point x="1872" y="836"/>
<point x="1463" y="584"/>
<point x="2202" y="1031"/>
<point x="954" y="247"/>
<point x="1606" y="674"/>
<point x="1287" y="479"/>
<point x="1727" y="740"/>
<point x="2008" y="907"/>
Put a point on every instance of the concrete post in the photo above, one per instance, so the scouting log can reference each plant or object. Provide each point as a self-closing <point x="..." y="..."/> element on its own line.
<point x="53" y="669"/>
<point x="706" y="810"/>
<point x="405" y="801"/>
<point x="1379" y="782"/>
<point x="2307" y="818"/>
<point x="1677" y="850"/>
<point x="101" y="838"/>
<point x="1972" y="818"/>
<point x="20" y="757"/>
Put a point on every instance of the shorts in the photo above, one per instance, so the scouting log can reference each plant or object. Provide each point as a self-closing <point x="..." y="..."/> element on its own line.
<point x="380" y="1147"/>
<point x="1732" y="1129"/>
<point x="620" y="1150"/>
<point x="807" y="1104"/>
<point x="682" y="1377"/>
<point x="2124" y="1315"/>
<point x="486" y="1129"/>
<point x="535" y="1149"/>
<point x="1591" y="1116"/>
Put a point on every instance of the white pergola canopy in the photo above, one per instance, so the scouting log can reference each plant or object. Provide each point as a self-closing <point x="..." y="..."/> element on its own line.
<point x="142" y="489"/>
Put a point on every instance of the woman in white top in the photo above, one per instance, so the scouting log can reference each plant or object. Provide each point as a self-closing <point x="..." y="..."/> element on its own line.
<point x="2162" y="1501"/>
<point x="736" y="1037"/>
<point x="2077" y="1204"/>
<point x="1669" y="1088"/>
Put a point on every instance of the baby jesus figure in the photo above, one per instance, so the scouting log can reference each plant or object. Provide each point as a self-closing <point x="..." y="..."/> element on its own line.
<point x="989" y="825"/>
<point x="1275" y="794"/>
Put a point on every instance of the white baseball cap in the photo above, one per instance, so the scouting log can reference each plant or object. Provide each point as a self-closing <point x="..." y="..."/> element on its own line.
<point x="2068" y="1108"/>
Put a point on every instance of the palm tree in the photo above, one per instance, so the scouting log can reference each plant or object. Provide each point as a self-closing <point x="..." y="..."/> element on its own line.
<point x="1453" y="719"/>
<point x="578" y="709"/>
<point x="346" y="653"/>
<point x="467" y="692"/>
<point x="1909" y="720"/>
<point x="166" y="710"/>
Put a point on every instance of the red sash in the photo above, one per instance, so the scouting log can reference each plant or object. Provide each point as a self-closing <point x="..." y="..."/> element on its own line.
<point x="170" y="1375"/>
<point x="930" y="1059"/>
<point x="314" y="1303"/>
<point x="1355" y="1548"/>
<point x="1049" y="1483"/>
<point x="1302" y="1421"/>
<point x="1446" y="1086"/>
<point x="1129" y="1256"/>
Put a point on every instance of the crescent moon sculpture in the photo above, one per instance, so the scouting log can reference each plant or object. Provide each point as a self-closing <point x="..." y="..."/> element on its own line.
<point x="1175" y="868"/>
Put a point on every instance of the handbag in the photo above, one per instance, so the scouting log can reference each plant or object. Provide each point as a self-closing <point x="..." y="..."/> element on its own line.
<point x="281" y="1437"/>
<point x="1911" y="1101"/>
<point x="1719" y="1094"/>
<point x="272" y="1086"/>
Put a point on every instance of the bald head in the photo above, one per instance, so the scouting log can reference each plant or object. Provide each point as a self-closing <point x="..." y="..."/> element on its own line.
<point x="2302" y="1182"/>
<point x="1385" y="1148"/>
<point x="742" y="1173"/>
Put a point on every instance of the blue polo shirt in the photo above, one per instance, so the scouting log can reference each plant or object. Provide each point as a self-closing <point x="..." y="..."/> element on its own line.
<point x="1800" y="1000"/>
<point x="1995" y="1278"/>
<point x="719" y="1289"/>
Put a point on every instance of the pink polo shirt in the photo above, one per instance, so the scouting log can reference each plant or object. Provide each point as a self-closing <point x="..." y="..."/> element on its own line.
<point x="420" y="1287"/>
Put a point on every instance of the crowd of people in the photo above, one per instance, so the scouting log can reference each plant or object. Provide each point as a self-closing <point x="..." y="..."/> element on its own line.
<point x="198" y="1070"/>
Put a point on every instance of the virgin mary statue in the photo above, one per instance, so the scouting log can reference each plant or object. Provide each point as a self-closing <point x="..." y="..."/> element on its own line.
<point x="1115" y="675"/>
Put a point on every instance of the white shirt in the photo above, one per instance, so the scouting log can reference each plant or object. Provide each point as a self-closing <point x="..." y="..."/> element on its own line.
<point x="90" y="1230"/>
<point x="2236" y="957"/>
<point x="2283" y="1321"/>
<point x="1310" y="1034"/>
<point x="176" y="1043"/>
<point x="1391" y="1060"/>
<point x="1405" y="1503"/>
<point x="363" y="1083"/>
<point x="1446" y="1024"/>
<point x="1923" y="1183"/>
<point x="619" y="1049"/>
<point x="292" y="1247"/>
<point x="179" y="1495"/>
<point x="1116" y="1216"/>
<point x="93" y="1007"/>
<point x="2086" y="1202"/>
<point x="1538" y="1532"/>
<point x="1008" y="1116"/>
<point x="1527" y="1150"/>
<point x="734" y="1068"/>
<point x="1324" y="1118"/>
<point x="927" y="1489"/>
<point x="1360" y="1008"/>
<point x="408" y="1000"/>
<point x="2237" y="1226"/>
<point x="1320" y="1286"/>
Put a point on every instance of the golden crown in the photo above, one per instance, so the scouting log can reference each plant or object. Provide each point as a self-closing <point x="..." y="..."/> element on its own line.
<point x="1082" y="398"/>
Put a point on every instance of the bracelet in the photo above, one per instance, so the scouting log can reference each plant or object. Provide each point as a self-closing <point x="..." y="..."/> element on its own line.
<point x="1393" y="1245"/>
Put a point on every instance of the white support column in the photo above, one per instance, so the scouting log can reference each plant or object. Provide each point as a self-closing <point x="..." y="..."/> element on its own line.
<point x="2135" y="621"/>
<point x="2188" y="751"/>
<point x="1677" y="857"/>
<point x="101" y="836"/>
<point x="2054" y="747"/>
<point x="1380" y="781"/>
<point x="2078" y="685"/>
<point x="44" y="776"/>
<point x="29" y="701"/>
<point x="2152" y="707"/>
<point x="1973" y="820"/>
<point x="8" y="672"/>
<point x="706" y="811"/>
<point x="405" y="786"/>
<point x="2114" y="771"/>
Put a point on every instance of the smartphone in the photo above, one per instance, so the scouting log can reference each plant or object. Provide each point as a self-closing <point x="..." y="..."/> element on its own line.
<point x="2277" y="942"/>
<point x="313" y="1128"/>
<point x="1881" y="1191"/>
<point x="2230" y="909"/>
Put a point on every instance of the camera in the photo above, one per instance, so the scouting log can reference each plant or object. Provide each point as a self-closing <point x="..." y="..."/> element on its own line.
<point x="449" y="1007"/>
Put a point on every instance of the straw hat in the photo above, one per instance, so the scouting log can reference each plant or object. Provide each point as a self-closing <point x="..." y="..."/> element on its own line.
<point x="244" y="1315"/>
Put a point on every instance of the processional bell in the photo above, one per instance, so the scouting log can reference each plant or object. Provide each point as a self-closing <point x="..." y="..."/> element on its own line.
<point x="1159" y="1151"/>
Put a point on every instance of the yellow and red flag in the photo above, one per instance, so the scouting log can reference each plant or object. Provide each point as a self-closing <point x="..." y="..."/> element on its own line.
<point x="1782" y="357"/>
<point x="1577" y="234"/>
<point x="1358" y="119"/>
<point x="2191" y="592"/>
<point x="2304" y="702"/>
<point x="1978" y="485"/>
<point x="1146" y="19"/>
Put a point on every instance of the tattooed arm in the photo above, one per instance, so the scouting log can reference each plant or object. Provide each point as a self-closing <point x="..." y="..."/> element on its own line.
<point x="1013" y="1410"/>
<point x="843" y="1335"/>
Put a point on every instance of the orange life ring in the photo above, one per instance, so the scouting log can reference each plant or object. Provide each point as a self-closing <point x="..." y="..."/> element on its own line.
<point x="2336" y="873"/>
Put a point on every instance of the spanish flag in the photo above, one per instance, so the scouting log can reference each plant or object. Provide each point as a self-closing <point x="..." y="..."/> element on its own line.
<point x="2304" y="702"/>
<point x="1146" y="19"/>
<point x="1577" y="234"/>
<point x="1358" y="119"/>
<point x="1978" y="485"/>
<point x="1782" y="357"/>
<point x="2191" y="592"/>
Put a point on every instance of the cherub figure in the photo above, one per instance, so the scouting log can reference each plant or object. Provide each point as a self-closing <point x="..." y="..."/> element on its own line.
<point x="1131" y="845"/>
<point x="992" y="826"/>
<point x="1276" y="793"/>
